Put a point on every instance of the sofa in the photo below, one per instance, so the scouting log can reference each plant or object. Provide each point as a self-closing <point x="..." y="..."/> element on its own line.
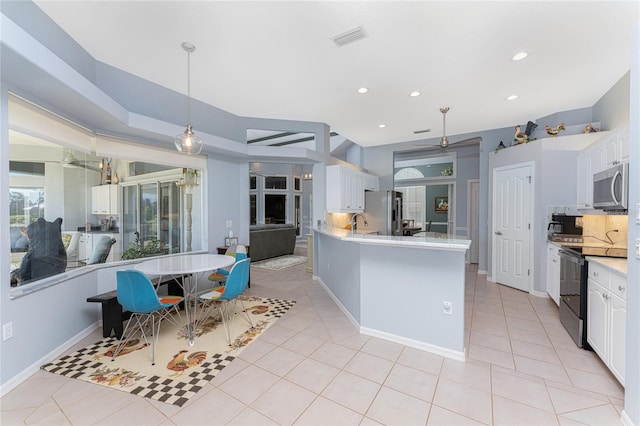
<point x="271" y="240"/>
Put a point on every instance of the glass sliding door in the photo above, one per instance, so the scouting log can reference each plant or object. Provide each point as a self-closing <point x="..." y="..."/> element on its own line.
<point x="170" y="225"/>
<point x="154" y="211"/>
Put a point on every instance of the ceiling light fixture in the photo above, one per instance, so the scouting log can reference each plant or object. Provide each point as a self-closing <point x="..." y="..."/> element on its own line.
<point x="363" y="90"/>
<point x="414" y="94"/>
<point x="382" y="126"/>
<point x="511" y="97"/>
<point x="519" y="56"/>
<point x="188" y="142"/>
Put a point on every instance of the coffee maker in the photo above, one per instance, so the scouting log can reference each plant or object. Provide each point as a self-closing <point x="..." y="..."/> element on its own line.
<point x="565" y="228"/>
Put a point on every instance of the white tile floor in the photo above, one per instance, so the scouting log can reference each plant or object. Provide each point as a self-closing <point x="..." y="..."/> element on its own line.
<point x="312" y="368"/>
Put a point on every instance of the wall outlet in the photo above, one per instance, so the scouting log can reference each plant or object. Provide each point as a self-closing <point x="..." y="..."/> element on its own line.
<point x="229" y="224"/>
<point x="7" y="331"/>
<point x="447" y="308"/>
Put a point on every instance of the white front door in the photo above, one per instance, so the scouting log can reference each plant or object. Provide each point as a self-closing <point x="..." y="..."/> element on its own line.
<point x="512" y="194"/>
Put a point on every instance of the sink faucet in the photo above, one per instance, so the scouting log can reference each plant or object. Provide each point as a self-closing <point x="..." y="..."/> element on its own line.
<point x="354" y="221"/>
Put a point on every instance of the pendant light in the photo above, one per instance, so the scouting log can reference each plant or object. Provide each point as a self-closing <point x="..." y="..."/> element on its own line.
<point x="188" y="142"/>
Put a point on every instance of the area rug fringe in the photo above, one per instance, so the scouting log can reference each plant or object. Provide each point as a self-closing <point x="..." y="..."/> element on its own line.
<point x="180" y="370"/>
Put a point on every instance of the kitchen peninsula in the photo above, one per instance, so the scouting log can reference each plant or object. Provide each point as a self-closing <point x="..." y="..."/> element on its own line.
<point x="408" y="290"/>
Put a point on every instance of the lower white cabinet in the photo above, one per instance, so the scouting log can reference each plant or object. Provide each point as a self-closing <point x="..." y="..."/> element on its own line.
<point x="607" y="317"/>
<point x="553" y="272"/>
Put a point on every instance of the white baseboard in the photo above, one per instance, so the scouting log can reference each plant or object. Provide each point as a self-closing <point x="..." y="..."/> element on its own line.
<point x="438" y="350"/>
<point x="16" y="380"/>
<point x="482" y="272"/>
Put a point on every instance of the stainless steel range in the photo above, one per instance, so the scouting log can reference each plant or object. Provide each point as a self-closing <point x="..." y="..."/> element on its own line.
<point x="573" y="288"/>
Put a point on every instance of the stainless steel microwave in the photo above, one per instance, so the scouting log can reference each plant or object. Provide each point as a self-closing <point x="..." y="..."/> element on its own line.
<point x="611" y="188"/>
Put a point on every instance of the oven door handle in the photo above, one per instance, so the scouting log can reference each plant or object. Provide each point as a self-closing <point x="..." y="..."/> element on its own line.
<point x="571" y="258"/>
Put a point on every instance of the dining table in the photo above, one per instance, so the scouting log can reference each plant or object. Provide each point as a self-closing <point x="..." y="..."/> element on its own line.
<point x="189" y="266"/>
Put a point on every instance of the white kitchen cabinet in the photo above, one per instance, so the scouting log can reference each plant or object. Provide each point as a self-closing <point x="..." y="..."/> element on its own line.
<point x="345" y="189"/>
<point x="610" y="149"/>
<point x="553" y="272"/>
<point x="607" y="316"/>
<point x="104" y="199"/>
<point x="85" y="246"/>
<point x="585" y="181"/>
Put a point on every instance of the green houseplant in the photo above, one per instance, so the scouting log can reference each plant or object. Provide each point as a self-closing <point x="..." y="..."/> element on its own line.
<point x="148" y="248"/>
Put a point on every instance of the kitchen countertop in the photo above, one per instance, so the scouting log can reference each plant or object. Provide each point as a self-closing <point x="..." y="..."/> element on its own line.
<point x="612" y="263"/>
<point x="430" y="240"/>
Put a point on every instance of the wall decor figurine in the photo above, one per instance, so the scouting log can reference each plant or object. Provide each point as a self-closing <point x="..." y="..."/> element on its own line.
<point x="520" y="136"/>
<point x="531" y="127"/>
<point x="590" y="129"/>
<point x="554" y="132"/>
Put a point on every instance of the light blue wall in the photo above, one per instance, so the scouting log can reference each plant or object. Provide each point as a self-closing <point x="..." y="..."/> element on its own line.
<point x="632" y="379"/>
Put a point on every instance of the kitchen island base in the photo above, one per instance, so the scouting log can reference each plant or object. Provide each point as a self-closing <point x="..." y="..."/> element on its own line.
<point x="404" y="289"/>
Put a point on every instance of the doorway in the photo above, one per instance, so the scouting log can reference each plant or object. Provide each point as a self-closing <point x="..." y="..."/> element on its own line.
<point x="512" y="204"/>
<point x="430" y="206"/>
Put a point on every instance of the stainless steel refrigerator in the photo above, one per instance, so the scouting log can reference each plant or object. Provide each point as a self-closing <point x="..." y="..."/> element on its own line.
<point x="383" y="210"/>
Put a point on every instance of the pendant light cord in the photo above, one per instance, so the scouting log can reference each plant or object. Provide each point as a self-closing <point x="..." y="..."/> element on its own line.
<point x="189" y="88"/>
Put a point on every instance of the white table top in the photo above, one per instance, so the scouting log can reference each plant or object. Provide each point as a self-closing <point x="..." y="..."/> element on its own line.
<point x="184" y="264"/>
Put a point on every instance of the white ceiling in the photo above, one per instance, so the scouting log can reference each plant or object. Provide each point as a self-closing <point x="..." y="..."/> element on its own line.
<point x="277" y="60"/>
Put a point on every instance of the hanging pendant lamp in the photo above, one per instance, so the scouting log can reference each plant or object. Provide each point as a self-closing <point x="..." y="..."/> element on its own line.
<point x="188" y="142"/>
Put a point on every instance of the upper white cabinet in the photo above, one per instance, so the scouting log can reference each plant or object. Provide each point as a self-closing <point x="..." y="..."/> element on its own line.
<point x="104" y="199"/>
<point x="345" y="189"/>
<point x="611" y="149"/>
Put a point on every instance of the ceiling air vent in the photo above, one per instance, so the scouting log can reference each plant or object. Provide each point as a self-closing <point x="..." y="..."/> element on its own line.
<point x="349" y="36"/>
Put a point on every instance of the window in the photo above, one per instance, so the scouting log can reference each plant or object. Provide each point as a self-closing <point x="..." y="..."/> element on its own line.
<point x="275" y="210"/>
<point x="253" y="184"/>
<point x="296" y="184"/>
<point x="275" y="182"/>
<point x="253" y="208"/>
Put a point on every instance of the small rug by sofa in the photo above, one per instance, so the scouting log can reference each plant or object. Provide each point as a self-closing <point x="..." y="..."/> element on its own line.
<point x="180" y="370"/>
<point x="281" y="262"/>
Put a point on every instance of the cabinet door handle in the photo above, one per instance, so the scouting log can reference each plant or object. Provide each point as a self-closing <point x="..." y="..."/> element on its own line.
<point x="498" y="233"/>
<point x="595" y="274"/>
<point x="620" y="288"/>
<point x="554" y="261"/>
<point x="605" y="296"/>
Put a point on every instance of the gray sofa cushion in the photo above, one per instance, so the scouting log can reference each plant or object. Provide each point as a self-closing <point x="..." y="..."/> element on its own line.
<point x="271" y="240"/>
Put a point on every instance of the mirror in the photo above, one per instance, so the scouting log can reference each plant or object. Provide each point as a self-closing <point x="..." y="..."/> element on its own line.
<point x="64" y="201"/>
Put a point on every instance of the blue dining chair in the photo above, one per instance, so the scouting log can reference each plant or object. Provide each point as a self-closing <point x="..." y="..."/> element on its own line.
<point x="239" y="252"/>
<point x="137" y="295"/>
<point x="226" y="296"/>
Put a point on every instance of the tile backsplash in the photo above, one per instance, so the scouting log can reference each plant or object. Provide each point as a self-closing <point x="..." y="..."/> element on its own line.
<point x="598" y="227"/>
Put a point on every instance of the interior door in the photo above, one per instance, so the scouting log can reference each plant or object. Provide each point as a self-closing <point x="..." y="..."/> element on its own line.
<point x="512" y="204"/>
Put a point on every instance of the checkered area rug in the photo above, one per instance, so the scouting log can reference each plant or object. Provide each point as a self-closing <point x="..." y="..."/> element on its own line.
<point x="180" y="370"/>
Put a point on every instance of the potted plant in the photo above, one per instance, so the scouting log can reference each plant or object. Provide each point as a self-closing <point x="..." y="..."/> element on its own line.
<point x="148" y="248"/>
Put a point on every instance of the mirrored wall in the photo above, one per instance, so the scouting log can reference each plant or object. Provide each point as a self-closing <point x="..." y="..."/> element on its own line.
<point x="78" y="199"/>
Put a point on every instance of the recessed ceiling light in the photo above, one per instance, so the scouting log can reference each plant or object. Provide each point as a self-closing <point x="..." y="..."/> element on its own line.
<point x="382" y="126"/>
<point x="520" y="56"/>
<point x="512" y="97"/>
<point x="414" y="94"/>
<point x="363" y="90"/>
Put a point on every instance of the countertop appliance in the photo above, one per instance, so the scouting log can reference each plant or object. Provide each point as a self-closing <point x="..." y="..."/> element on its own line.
<point x="384" y="211"/>
<point x="573" y="288"/>
<point x="611" y="188"/>
<point x="565" y="228"/>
